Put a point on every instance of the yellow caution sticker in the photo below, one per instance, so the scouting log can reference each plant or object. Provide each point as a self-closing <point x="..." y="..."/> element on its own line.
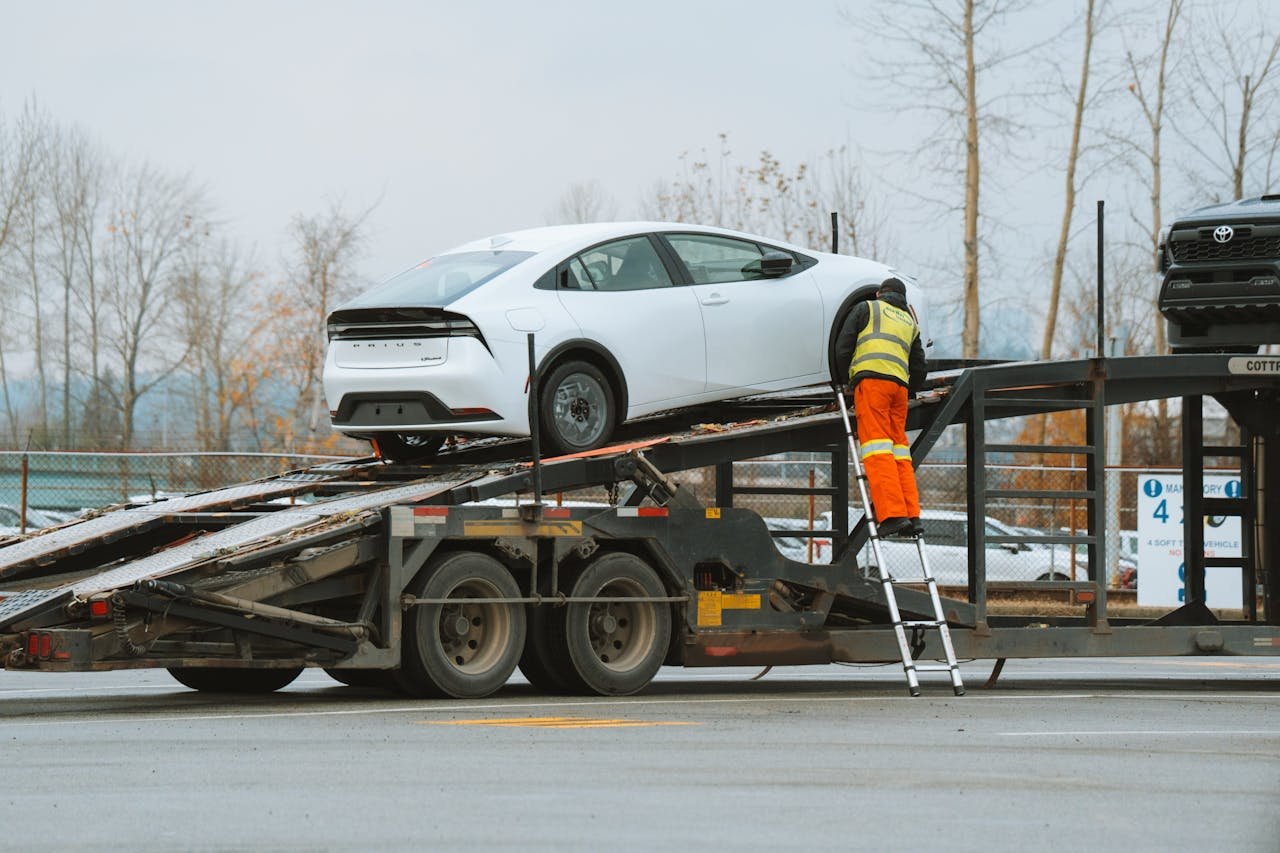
<point x="740" y="601"/>
<point x="709" y="608"/>
<point x="515" y="527"/>
<point x="713" y="512"/>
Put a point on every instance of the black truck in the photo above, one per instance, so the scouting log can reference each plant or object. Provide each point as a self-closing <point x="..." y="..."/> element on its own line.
<point x="1221" y="265"/>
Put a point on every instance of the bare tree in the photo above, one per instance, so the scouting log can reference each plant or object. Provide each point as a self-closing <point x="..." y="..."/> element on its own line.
<point x="211" y="289"/>
<point x="942" y="56"/>
<point x="1069" y="194"/>
<point x="1235" y="70"/>
<point x="159" y="218"/>
<point x="19" y="161"/>
<point x="1149" y="76"/>
<point x="584" y="201"/>
<point x="75" y="191"/>
<point x="325" y="249"/>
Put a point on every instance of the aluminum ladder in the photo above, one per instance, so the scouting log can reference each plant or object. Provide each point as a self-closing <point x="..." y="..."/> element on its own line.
<point x="939" y="620"/>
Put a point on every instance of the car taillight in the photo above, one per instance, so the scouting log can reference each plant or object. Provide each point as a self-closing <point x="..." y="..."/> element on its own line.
<point x="33" y="645"/>
<point x="46" y="645"/>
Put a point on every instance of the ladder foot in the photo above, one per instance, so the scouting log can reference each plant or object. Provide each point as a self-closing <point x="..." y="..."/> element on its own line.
<point x="959" y="691"/>
<point x="915" y="691"/>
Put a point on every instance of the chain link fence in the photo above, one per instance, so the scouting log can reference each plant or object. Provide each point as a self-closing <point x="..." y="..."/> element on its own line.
<point x="54" y="486"/>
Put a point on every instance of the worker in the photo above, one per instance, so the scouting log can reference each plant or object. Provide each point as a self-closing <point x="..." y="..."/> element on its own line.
<point x="880" y="343"/>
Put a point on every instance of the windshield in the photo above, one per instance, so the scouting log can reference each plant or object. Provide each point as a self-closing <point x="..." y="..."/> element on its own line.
<point x="440" y="280"/>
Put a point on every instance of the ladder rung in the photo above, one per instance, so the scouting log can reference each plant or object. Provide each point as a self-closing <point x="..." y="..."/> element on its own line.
<point x="1039" y="448"/>
<point x="934" y="667"/>
<point x="927" y="623"/>
<point x="1064" y="494"/>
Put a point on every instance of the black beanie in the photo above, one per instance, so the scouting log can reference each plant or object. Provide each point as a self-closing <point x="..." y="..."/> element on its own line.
<point x="893" y="285"/>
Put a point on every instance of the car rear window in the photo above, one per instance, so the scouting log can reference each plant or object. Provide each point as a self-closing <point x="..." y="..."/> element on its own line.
<point x="439" y="280"/>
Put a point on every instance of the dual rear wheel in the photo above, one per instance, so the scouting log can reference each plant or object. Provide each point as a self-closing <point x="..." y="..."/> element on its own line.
<point x="466" y="646"/>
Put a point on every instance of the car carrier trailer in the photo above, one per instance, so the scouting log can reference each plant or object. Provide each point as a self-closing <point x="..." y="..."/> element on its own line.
<point x="398" y="576"/>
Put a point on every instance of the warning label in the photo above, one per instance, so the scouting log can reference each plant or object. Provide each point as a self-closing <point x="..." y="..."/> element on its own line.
<point x="709" y="608"/>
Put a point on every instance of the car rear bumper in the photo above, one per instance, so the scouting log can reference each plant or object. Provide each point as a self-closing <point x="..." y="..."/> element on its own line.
<point x="467" y="393"/>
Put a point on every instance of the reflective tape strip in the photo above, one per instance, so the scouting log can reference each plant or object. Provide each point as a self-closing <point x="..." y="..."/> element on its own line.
<point x="901" y="451"/>
<point x="877" y="447"/>
<point x="642" y="512"/>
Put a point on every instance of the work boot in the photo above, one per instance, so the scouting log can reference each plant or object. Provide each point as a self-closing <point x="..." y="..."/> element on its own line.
<point x="917" y="526"/>
<point x="895" y="526"/>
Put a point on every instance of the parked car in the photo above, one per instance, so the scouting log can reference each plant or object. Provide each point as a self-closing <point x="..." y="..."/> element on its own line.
<point x="946" y="546"/>
<point x="630" y="319"/>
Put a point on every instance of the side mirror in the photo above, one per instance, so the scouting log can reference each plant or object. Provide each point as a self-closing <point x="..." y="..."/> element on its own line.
<point x="1011" y="547"/>
<point x="773" y="264"/>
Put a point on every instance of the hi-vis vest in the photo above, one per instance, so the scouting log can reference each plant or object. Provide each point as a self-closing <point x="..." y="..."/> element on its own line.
<point x="884" y="346"/>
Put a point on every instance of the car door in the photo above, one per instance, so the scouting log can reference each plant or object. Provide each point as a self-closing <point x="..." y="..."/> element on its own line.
<point x="759" y="331"/>
<point x="623" y="297"/>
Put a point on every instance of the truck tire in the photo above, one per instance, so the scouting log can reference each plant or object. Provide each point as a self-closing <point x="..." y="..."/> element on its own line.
<point x="616" y="648"/>
<point x="210" y="679"/>
<point x="463" y="651"/>
<point x="545" y="661"/>
<point x="576" y="408"/>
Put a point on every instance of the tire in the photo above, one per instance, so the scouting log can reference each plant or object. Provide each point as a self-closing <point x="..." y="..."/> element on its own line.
<point x="1053" y="576"/>
<point x="459" y="650"/>
<point x="408" y="447"/>
<point x="576" y="408"/>
<point x="229" y="680"/>
<point x="616" y="649"/>
<point x="383" y="679"/>
<point x="545" y="660"/>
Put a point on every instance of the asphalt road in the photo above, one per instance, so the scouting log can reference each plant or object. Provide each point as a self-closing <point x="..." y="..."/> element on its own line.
<point x="1133" y="755"/>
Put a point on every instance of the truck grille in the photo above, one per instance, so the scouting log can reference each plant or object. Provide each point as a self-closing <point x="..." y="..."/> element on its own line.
<point x="1241" y="248"/>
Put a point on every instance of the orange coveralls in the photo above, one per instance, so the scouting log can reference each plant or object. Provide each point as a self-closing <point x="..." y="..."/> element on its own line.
<point x="881" y="409"/>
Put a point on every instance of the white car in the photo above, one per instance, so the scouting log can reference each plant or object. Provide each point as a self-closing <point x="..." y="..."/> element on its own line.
<point x="630" y="318"/>
<point x="947" y="548"/>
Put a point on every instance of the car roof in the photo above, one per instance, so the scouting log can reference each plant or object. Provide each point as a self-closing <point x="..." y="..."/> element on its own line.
<point x="585" y="234"/>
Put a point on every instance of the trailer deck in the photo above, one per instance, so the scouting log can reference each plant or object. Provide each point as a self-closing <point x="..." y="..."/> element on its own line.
<point x="396" y="575"/>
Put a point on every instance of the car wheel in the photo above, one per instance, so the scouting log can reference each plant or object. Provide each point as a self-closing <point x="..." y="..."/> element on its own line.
<point x="210" y="679"/>
<point x="408" y="447"/>
<point x="461" y="649"/>
<point x="1053" y="576"/>
<point x="576" y="408"/>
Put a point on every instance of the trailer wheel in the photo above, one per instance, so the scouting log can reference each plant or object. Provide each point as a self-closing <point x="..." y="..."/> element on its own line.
<point x="616" y="648"/>
<point x="210" y="679"/>
<point x="545" y="661"/>
<point x="458" y="649"/>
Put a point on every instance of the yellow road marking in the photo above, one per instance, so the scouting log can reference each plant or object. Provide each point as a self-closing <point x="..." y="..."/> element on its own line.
<point x="554" y="723"/>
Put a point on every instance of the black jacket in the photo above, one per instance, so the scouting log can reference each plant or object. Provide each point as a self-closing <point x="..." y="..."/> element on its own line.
<point x="847" y="342"/>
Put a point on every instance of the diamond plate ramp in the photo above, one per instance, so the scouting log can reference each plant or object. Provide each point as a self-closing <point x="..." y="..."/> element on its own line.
<point x="48" y="547"/>
<point x="213" y="545"/>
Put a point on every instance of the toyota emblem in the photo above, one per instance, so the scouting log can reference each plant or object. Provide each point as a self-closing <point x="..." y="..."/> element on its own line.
<point x="1223" y="233"/>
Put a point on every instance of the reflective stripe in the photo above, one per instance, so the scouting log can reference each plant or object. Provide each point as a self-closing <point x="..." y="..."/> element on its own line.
<point x="877" y="446"/>
<point x="901" y="451"/>
<point x="884" y="347"/>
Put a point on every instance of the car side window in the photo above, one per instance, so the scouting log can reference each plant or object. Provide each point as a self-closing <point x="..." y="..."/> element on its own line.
<point x="573" y="276"/>
<point x="630" y="264"/>
<point x="716" y="260"/>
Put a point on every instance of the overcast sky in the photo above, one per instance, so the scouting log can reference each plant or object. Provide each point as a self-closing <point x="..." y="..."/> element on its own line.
<point x="463" y="118"/>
